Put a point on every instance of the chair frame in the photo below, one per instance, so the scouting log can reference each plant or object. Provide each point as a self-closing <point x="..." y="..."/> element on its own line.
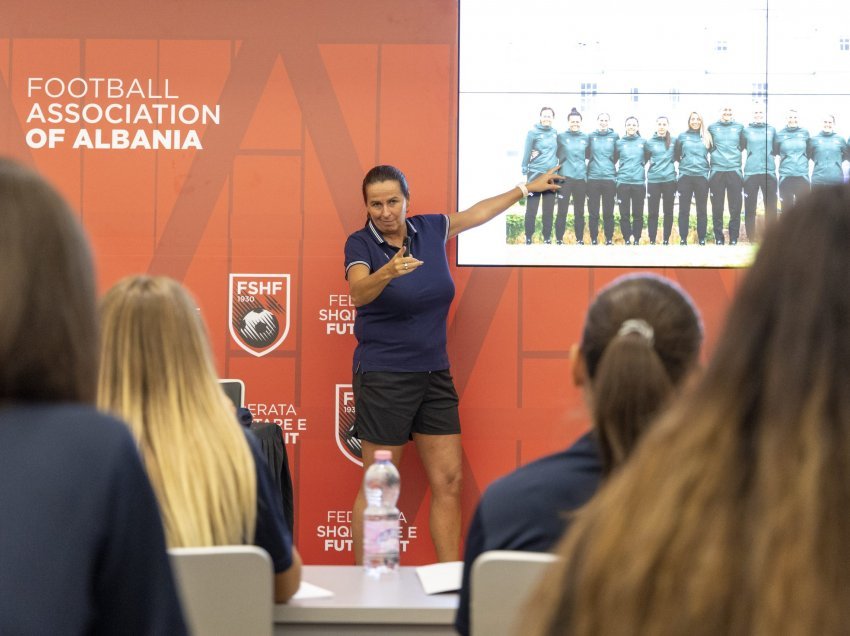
<point x="501" y="582"/>
<point x="225" y="590"/>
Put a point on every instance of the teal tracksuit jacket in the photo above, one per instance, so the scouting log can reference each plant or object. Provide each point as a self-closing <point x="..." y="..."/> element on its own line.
<point x="602" y="150"/>
<point x="757" y="140"/>
<point x="542" y="143"/>
<point x="691" y="154"/>
<point x="827" y="151"/>
<point x="572" y="154"/>
<point x="791" y="145"/>
<point x="660" y="158"/>
<point x="631" y="157"/>
<point x="725" y="149"/>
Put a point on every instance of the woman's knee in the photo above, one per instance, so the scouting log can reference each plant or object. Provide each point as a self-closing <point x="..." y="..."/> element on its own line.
<point x="447" y="484"/>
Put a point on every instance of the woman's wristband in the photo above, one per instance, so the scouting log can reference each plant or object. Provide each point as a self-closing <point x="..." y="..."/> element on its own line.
<point x="523" y="188"/>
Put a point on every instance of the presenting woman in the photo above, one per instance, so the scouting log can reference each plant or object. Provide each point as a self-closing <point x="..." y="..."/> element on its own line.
<point x="661" y="179"/>
<point x="572" y="149"/>
<point x="399" y="280"/>
<point x="631" y="185"/>
<point x="691" y="153"/>
<point x="601" y="186"/>
<point x="538" y="157"/>
<point x="791" y="144"/>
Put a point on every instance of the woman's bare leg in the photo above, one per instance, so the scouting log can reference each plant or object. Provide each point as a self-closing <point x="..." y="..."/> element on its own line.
<point x="442" y="457"/>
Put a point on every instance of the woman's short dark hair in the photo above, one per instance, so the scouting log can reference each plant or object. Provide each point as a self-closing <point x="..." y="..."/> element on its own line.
<point x="549" y="108"/>
<point x="382" y="173"/>
<point x="642" y="335"/>
<point x="48" y="324"/>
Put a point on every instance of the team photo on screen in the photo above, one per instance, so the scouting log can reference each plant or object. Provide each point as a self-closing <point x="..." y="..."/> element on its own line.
<point x="679" y="134"/>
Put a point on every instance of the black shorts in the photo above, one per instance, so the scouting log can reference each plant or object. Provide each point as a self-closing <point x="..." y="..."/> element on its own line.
<point x="390" y="406"/>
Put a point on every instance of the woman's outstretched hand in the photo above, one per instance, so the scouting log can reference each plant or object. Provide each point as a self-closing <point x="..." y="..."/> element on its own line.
<point x="549" y="180"/>
<point x="401" y="265"/>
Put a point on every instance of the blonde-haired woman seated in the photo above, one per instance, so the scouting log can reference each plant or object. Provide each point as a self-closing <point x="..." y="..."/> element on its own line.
<point x="157" y="373"/>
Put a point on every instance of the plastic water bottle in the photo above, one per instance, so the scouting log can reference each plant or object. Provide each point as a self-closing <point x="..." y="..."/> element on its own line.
<point x="381" y="518"/>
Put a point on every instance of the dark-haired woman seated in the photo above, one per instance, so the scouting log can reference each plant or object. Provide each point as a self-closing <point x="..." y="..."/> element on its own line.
<point x="81" y="543"/>
<point x="641" y="339"/>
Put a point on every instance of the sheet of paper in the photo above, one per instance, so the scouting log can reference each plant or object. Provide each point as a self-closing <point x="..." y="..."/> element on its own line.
<point x="441" y="577"/>
<point x="308" y="590"/>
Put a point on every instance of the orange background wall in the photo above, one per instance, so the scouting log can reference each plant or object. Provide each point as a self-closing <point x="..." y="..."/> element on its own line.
<point x="312" y="94"/>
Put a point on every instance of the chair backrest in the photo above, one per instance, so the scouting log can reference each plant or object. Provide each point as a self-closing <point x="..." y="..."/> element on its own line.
<point x="235" y="390"/>
<point x="501" y="582"/>
<point x="225" y="590"/>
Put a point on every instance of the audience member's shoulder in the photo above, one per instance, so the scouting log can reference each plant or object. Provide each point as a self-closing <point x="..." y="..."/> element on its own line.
<point x="258" y="439"/>
<point x="585" y="446"/>
<point x="254" y="441"/>
<point x="580" y="458"/>
<point x="67" y="447"/>
<point x="74" y="426"/>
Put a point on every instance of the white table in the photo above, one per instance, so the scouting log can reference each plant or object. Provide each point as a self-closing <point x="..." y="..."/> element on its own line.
<point x="362" y="605"/>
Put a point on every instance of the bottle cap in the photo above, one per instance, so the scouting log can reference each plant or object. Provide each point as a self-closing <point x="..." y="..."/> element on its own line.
<point x="383" y="455"/>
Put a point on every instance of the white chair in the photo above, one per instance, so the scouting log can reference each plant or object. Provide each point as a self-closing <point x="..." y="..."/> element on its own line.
<point x="225" y="590"/>
<point x="501" y="582"/>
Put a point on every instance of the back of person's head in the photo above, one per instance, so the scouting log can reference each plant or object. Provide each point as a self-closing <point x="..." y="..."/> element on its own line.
<point x="642" y="336"/>
<point x="157" y="374"/>
<point x="48" y="319"/>
<point x="730" y="518"/>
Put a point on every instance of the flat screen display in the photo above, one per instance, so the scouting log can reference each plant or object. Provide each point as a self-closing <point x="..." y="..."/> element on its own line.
<point x="755" y="95"/>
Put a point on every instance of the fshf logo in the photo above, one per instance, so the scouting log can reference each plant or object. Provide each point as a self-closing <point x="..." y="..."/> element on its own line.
<point x="259" y="311"/>
<point x="345" y="440"/>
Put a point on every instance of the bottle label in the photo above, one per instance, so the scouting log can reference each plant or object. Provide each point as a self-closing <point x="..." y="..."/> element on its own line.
<point x="381" y="536"/>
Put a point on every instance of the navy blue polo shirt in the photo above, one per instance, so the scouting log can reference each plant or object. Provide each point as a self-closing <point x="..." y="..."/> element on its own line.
<point x="527" y="509"/>
<point x="404" y="328"/>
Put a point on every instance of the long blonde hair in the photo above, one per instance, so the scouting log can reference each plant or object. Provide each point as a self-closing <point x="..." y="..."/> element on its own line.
<point x="705" y="135"/>
<point x="731" y="517"/>
<point x="157" y="374"/>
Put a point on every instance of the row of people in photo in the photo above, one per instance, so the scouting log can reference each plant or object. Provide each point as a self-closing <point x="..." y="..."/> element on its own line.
<point x="603" y="168"/>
